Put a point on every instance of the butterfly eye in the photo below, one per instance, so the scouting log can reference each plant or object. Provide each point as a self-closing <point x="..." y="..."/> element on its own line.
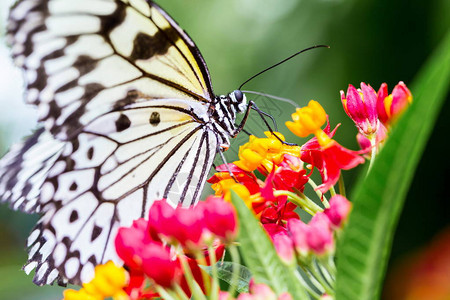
<point x="238" y="95"/>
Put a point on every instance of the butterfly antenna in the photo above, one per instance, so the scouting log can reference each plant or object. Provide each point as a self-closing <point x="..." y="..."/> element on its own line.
<point x="279" y="63"/>
<point x="290" y="101"/>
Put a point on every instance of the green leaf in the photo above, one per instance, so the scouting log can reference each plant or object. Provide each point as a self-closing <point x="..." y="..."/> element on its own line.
<point x="260" y="256"/>
<point x="225" y="273"/>
<point x="378" y="200"/>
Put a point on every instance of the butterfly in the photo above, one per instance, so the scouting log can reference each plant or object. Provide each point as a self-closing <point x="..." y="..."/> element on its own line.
<point x="127" y="116"/>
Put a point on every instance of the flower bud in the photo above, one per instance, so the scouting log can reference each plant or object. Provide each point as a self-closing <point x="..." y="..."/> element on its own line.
<point x="389" y="107"/>
<point x="338" y="211"/>
<point x="220" y="218"/>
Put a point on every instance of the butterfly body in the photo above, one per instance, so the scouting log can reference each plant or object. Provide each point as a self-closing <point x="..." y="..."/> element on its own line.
<point x="128" y="116"/>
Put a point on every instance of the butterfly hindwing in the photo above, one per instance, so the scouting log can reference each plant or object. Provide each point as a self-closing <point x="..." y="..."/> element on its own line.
<point x="109" y="175"/>
<point x="24" y="169"/>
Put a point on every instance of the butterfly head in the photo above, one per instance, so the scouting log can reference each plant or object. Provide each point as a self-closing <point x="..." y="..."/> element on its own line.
<point x="238" y="100"/>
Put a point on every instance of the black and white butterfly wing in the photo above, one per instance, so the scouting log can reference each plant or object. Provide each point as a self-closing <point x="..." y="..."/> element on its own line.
<point x="124" y="96"/>
<point x="85" y="58"/>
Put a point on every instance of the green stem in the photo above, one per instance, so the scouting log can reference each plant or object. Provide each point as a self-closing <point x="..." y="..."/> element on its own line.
<point x="317" y="274"/>
<point x="236" y="259"/>
<point x="313" y="280"/>
<point x="180" y="293"/>
<point x="215" y="284"/>
<point x="301" y="200"/>
<point x="164" y="294"/>
<point x="318" y="193"/>
<point x="304" y="284"/>
<point x="197" y="292"/>
<point x="373" y="143"/>
<point x="199" y="255"/>
<point x="341" y="186"/>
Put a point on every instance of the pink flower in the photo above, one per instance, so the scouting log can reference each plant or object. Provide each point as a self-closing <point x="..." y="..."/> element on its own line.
<point x="299" y="235"/>
<point x="316" y="236"/>
<point x="143" y="255"/>
<point x="261" y="291"/>
<point x="181" y="225"/>
<point x="285" y="296"/>
<point x="130" y="242"/>
<point x="320" y="236"/>
<point x="282" y="242"/>
<point x="220" y="218"/>
<point x="338" y="211"/>
<point x="158" y="265"/>
<point x="389" y="107"/>
<point x="361" y="106"/>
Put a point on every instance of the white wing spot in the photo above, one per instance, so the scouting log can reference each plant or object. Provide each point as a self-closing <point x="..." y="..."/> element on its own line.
<point x="71" y="267"/>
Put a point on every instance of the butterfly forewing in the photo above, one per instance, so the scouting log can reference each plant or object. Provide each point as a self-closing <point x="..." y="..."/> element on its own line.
<point x="124" y="96"/>
<point x="81" y="55"/>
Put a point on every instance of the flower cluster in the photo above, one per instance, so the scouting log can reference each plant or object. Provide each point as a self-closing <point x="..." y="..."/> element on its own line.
<point x="174" y="253"/>
<point x="271" y="176"/>
<point x="165" y="254"/>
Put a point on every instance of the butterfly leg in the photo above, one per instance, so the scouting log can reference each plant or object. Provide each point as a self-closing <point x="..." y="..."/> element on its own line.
<point x="220" y="150"/>
<point x="252" y="105"/>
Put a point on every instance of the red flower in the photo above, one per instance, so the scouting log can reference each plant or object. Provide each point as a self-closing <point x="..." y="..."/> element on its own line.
<point x="181" y="225"/>
<point x="273" y="209"/>
<point x="329" y="160"/>
<point x="243" y="177"/>
<point x="220" y="218"/>
<point x="289" y="174"/>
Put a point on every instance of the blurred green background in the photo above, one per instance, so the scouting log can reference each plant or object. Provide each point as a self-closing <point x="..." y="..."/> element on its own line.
<point x="371" y="41"/>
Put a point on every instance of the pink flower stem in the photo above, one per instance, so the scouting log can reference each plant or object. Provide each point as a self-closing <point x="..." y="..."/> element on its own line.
<point x="301" y="201"/>
<point x="215" y="284"/>
<point x="235" y="258"/>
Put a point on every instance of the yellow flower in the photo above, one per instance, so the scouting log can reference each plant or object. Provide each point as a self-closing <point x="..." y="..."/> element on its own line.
<point x="307" y="120"/>
<point x="109" y="281"/>
<point x="264" y="152"/>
